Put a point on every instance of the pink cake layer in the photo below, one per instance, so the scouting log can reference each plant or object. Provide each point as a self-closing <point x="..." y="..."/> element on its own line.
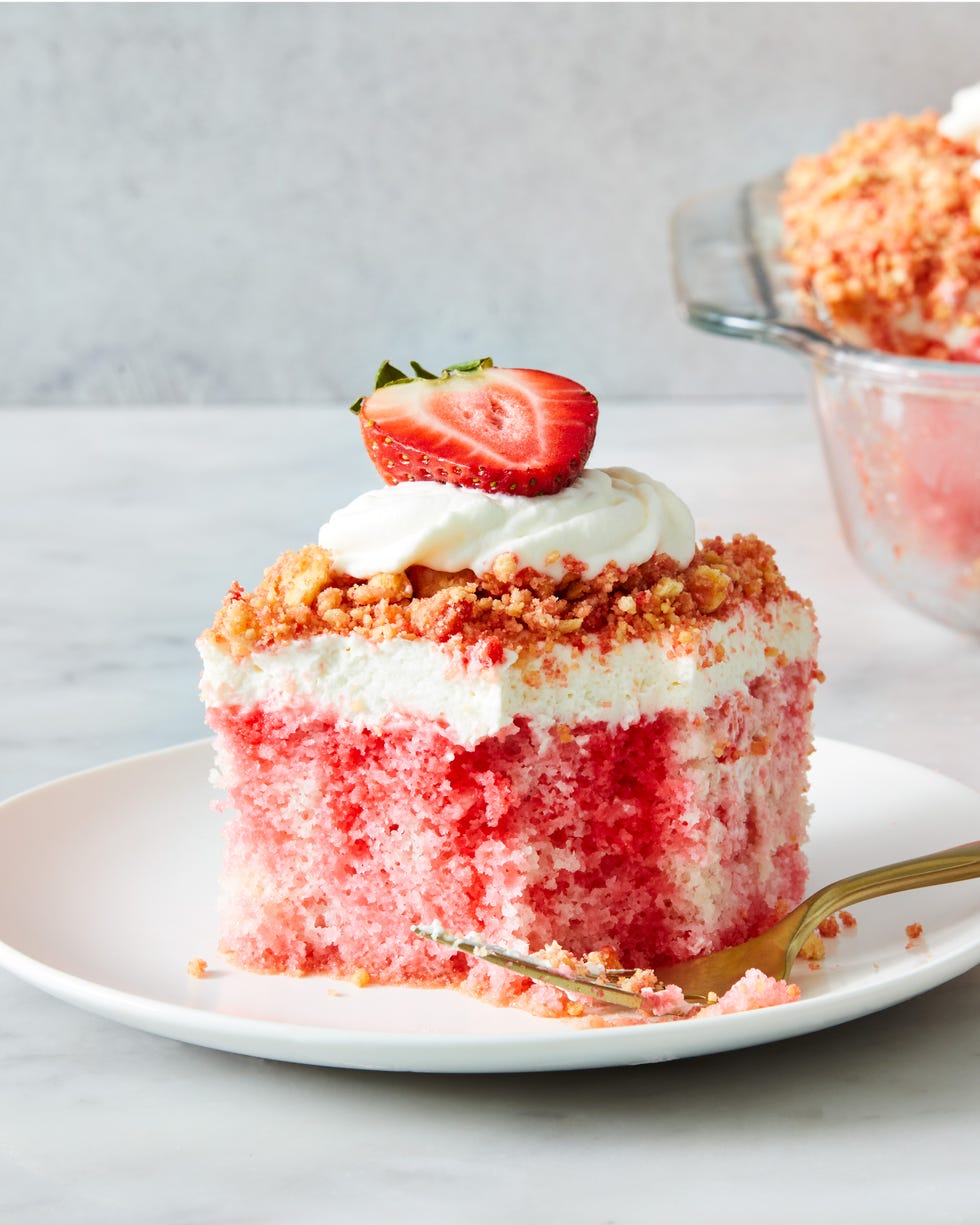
<point x="667" y="838"/>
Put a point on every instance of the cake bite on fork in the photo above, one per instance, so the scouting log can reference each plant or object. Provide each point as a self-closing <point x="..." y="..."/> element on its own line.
<point x="747" y="972"/>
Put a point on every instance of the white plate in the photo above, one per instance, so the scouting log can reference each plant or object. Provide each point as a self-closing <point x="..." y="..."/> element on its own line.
<point x="107" y="886"/>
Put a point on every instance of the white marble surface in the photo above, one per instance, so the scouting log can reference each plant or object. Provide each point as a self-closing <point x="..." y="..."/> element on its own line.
<point x="229" y="202"/>
<point x="119" y="532"/>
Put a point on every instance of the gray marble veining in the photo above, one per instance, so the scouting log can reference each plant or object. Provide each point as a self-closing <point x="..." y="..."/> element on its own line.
<point x="119" y="532"/>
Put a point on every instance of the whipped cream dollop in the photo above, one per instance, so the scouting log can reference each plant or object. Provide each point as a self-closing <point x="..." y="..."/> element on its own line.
<point x="962" y="122"/>
<point x="606" y="515"/>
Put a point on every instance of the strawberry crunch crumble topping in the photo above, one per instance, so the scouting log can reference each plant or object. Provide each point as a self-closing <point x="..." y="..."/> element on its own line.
<point x="884" y="230"/>
<point x="301" y="595"/>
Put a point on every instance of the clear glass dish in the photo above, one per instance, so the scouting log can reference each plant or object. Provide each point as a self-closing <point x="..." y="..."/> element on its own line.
<point x="901" y="435"/>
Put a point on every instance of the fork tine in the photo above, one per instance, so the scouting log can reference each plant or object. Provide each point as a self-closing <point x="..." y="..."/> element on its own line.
<point x="528" y="966"/>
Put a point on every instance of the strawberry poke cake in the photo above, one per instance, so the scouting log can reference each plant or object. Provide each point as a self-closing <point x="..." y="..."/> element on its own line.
<point x="884" y="232"/>
<point x="510" y="693"/>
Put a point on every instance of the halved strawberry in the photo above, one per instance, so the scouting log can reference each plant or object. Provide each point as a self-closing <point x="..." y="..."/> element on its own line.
<point x="504" y="431"/>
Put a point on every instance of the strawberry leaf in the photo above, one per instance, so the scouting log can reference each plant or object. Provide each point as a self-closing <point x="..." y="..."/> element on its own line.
<point x="480" y="363"/>
<point x="421" y="372"/>
<point x="358" y="404"/>
<point x="388" y="374"/>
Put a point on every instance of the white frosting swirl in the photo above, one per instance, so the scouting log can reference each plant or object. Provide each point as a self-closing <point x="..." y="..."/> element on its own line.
<point x="962" y="122"/>
<point x="963" y="119"/>
<point x="606" y="515"/>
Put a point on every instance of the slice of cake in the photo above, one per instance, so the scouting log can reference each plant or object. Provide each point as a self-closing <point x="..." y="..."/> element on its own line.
<point x="545" y="718"/>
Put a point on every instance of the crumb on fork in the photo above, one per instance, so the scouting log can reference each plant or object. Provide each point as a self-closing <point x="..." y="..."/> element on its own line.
<point x="813" y="948"/>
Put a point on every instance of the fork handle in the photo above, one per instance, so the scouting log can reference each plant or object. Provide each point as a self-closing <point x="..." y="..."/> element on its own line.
<point x="938" y="868"/>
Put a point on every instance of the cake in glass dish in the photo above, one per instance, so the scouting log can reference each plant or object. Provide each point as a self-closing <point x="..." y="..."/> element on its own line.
<point x="508" y="693"/>
<point x="865" y="262"/>
<point x="884" y="231"/>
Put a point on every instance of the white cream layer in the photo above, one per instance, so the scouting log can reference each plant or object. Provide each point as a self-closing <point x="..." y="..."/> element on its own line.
<point x="372" y="684"/>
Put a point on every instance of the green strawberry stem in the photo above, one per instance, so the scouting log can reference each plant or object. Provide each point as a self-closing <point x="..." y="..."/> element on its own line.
<point x="388" y="375"/>
<point x="480" y="363"/>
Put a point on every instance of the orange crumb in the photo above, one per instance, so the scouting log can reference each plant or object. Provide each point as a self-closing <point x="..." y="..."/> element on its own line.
<point x="197" y="967"/>
<point x="829" y="928"/>
<point x="360" y="977"/>
<point x="847" y="918"/>
<point x="813" y="965"/>
<point x="914" y="931"/>
<point x="813" y="949"/>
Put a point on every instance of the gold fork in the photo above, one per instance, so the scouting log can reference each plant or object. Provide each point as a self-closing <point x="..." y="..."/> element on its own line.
<point x="773" y="952"/>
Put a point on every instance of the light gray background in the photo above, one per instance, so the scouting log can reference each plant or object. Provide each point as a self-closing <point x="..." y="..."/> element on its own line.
<point x="250" y="203"/>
